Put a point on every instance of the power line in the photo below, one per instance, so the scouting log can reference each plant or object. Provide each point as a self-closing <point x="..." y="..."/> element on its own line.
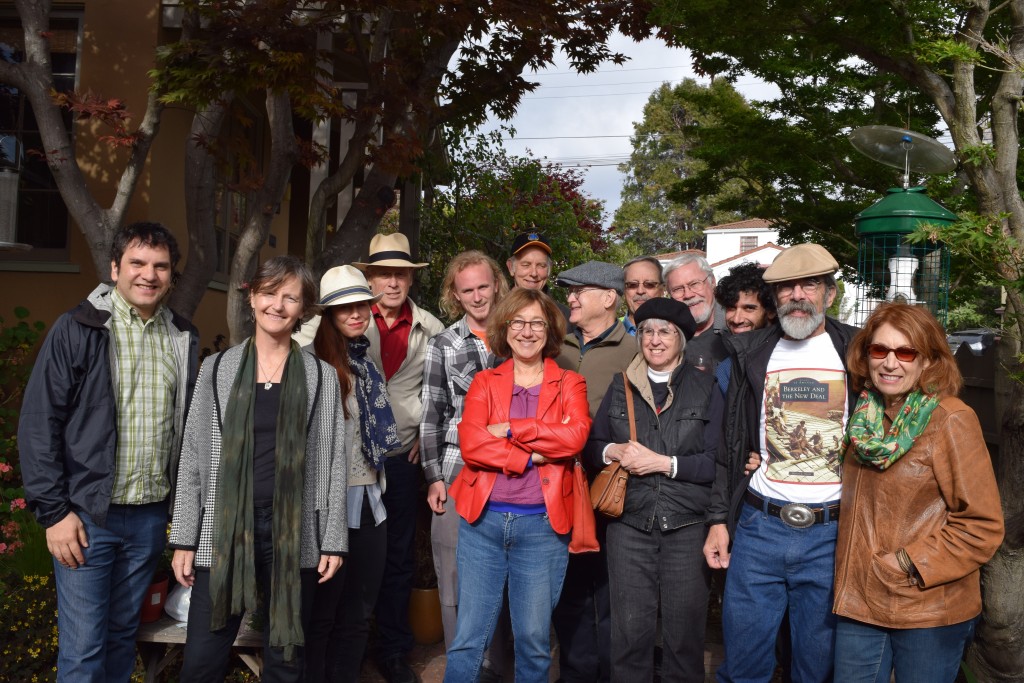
<point x="606" y="71"/>
<point x="565" y="97"/>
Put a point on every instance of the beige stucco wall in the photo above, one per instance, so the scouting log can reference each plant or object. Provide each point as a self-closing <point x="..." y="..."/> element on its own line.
<point x="119" y="38"/>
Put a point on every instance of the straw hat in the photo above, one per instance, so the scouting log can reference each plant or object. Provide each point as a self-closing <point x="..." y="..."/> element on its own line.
<point x="345" y="285"/>
<point x="390" y="251"/>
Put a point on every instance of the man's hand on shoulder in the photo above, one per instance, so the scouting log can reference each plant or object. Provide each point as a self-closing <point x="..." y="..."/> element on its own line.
<point x="716" y="547"/>
<point x="65" y="541"/>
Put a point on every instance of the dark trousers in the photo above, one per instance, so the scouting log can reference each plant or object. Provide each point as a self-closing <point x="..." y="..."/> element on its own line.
<point x="400" y="500"/>
<point x="340" y="625"/>
<point x="582" y="620"/>
<point x="648" y="571"/>
<point x="207" y="653"/>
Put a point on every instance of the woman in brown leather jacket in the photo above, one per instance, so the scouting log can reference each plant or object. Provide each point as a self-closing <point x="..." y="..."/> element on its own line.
<point x="921" y="510"/>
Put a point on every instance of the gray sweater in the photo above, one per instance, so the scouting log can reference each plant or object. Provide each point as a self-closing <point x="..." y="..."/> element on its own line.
<point x="324" y="524"/>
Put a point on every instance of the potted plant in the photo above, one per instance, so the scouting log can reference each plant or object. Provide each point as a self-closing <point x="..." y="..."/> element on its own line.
<point x="424" y="602"/>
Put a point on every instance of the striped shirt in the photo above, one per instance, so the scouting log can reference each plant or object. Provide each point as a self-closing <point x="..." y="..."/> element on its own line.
<point x="452" y="359"/>
<point x="145" y="372"/>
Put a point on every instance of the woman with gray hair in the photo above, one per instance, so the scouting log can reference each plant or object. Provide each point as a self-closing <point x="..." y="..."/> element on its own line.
<point x="654" y="549"/>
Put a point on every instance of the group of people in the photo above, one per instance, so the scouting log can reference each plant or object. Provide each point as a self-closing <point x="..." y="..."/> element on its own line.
<point x="831" y="470"/>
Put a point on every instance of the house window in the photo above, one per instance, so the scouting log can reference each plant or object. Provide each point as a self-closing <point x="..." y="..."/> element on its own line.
<point x="41" y="217"/>
<point x="748" y="243"/>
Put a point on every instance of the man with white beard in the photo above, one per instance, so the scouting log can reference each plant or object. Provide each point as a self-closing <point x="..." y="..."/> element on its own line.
<point x="785" y="377"/>
<point x="691" y="280"/>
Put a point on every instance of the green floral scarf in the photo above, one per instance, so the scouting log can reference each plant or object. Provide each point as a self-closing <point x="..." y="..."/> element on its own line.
<point x="866" y="431"/>
<point x="233" y="574"/>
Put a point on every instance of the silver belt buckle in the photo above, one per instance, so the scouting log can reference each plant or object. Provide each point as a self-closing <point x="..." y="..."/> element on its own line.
<point x="797" y="515"/>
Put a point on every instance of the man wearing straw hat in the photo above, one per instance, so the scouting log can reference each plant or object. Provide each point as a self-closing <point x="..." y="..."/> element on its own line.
<point x="398" y="337"/>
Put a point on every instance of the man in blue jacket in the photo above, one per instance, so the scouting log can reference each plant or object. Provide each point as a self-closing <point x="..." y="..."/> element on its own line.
<point x="101" y="425"/>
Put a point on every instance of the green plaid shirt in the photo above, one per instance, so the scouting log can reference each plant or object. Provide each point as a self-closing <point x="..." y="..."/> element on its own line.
<point x="145" y="374"/>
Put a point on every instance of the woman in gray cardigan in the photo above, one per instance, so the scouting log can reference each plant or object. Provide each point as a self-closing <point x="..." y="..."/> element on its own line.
<point x="260" y="502"/>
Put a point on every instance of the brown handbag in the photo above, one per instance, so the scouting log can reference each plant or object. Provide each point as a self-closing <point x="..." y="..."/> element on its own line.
<point x="584" y="526"/>
<point x="608" y="492"/>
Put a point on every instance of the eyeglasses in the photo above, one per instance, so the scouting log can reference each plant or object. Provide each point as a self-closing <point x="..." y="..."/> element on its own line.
<point x="648" y="284"/>
<point x="904" y="354"/>
<point x="692" y="286"/>
<point x="576" y="290"/>
<point x="664" y="334"/>
<point x="535" y="325"/>
<point x="809" y="286"/>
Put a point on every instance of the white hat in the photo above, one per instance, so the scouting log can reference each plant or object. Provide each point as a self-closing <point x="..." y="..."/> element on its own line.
<point x="345" y="285"/>
<point x="390" y="251"/>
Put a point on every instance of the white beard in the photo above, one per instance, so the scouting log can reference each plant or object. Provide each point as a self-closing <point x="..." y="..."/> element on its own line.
<point x="800" y="328"/>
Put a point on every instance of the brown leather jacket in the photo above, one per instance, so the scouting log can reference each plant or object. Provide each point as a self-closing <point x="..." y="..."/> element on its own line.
<point x="940" y="503"/>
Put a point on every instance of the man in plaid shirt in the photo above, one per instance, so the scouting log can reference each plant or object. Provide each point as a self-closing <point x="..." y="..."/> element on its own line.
<point x="473" y="285"/>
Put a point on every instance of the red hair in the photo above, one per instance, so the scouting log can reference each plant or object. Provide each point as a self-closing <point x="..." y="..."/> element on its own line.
<point x="942" y="376"/>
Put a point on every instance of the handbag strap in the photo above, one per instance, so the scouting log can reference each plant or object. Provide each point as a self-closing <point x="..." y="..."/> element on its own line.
<point x="629" y="407"/>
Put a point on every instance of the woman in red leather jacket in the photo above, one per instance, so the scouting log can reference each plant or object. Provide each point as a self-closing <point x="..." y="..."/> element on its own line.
<point x="522" y="425"/>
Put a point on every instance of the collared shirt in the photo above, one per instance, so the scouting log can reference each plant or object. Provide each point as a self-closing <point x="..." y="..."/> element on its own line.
<point x="452" y="359"/>
<point x="145" y="373"/>
<point x="628" y="324"/>
<point x="394" y="340"/>
<point x="593" y="342"/>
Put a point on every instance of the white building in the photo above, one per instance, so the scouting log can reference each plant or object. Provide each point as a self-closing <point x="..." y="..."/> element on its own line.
<point x="730" y="244"/>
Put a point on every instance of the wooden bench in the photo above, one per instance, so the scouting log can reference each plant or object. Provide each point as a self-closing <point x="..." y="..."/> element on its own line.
<point x="161" y="640"/>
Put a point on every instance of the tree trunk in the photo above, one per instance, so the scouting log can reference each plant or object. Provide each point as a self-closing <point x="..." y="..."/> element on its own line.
<point x="200" y="208"/>
<point x="352" y="240"/>
<point x="284" y="154"/>
<point x="997" y="654"/>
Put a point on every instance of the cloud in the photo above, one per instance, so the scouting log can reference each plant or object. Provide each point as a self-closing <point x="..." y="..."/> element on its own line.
<point x="584" y="120"/>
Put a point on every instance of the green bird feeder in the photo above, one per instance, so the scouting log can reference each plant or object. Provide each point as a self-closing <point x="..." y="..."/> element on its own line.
<point x="892" y="269"/>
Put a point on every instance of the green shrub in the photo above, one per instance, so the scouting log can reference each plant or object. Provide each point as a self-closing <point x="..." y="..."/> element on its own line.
<point x="29" y="608"/>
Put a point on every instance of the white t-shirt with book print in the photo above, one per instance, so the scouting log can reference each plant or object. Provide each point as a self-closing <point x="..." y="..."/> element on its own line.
<point x="803" y="419"/>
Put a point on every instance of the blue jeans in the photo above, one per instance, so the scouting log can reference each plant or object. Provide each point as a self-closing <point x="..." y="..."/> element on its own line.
<point x="525" y="552"/>
<point x="394" y="635"/>
<point x="98" y="604"/>
<point x="870" y="654"/>
<point x="774" y="566"/>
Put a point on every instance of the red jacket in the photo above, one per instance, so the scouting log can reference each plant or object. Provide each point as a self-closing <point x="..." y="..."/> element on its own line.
<point x="563" y="395"/>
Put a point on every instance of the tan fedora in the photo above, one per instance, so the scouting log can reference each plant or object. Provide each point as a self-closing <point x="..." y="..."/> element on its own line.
<point x="390" y="251"/>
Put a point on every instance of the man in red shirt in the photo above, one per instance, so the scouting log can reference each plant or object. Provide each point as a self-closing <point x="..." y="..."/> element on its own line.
<point x="397" y="342"/>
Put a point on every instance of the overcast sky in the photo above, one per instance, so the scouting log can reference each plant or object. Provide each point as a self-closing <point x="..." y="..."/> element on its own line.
<point x="585" y="121"/>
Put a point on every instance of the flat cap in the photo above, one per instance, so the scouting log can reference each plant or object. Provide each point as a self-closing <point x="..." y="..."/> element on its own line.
<point x="675" y="312"/>
<point x="799" y="261"/>
<point x="596" y="273"/>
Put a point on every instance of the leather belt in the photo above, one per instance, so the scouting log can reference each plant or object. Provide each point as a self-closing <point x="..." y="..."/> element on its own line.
<point x="797" y="515"/>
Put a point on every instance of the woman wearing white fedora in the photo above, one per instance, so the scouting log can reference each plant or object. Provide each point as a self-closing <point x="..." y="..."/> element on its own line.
<point x="340" y="623"/>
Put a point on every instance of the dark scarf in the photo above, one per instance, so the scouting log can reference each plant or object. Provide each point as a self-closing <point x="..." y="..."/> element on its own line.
<point x="233" y="574"/>
<point x="875" y="447"/>
<point x="376" y="420"/>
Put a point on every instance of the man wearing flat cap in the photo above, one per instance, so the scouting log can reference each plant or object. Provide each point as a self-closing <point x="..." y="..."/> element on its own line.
<point x="598" y="349"/>
<point x="787" y="380"/>
<point x="398" y="338"/>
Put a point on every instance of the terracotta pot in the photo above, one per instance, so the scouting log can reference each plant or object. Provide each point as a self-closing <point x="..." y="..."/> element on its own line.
<point x="425" y="616"/>
<point x="156" y="596"/>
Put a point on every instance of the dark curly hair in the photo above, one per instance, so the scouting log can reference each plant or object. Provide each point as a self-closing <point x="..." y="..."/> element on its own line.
<point x="152" y="235"/>
<point x="745" y="277"/>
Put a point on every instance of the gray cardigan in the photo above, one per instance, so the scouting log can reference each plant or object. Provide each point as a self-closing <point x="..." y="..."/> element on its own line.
<point x="324" y="524"/>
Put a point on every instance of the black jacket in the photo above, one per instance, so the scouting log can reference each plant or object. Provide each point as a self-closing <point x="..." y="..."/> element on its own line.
<point x="750" y="354"/>
<point x="687" y="427"/>
<point x="67" y="434"/>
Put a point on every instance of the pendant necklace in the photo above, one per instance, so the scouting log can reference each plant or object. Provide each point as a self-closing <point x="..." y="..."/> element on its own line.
<point x="269" y="381"/>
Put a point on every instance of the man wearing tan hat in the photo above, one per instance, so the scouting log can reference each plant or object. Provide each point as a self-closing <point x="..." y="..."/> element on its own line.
<point x="397" y="340"/>
<point x="784" y="516"/>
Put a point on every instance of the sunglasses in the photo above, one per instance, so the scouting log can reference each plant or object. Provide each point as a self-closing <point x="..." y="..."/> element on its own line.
<point x="904" y="354"/>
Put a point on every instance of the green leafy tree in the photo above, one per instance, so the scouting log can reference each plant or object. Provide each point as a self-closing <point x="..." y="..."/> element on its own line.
<point x="492" y="196"/>
<point x="921" y="64"/>
<point x="662" y="156"/>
